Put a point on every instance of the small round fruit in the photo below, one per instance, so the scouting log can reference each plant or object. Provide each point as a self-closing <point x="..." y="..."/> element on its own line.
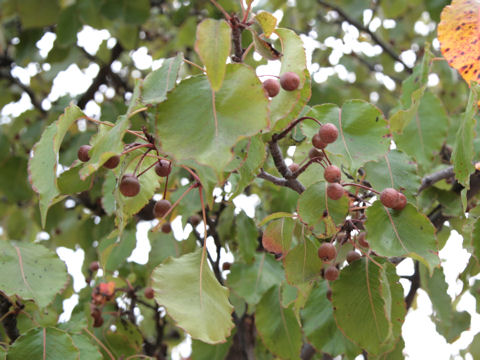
<point x="315" y="154"/>
<point x="331" y="274"/>
<point x="318" y="142"/>
<point x="226" y="266"/>
<point x="129" y="185"/>
<point x="352" y="255"/>
<point x="149" y="293"/>
<point x="163" y="168"/>
<point x="327" y="252"/>
<point x="112" y="163"/>
<point x="94" y="266"/>
<point x="289" y="81"/>
<point x="294" y="167"/>
<point x="328" y="133"/>
<point x="272" y="87"/>
<point x="83" y="153"/>
<point x="97" y="321"/>
<point x="389" y="197"/>
<point x="335" y="191"/>
<point x="195" y="219"/>
<point x="161" y="207"/>
<point x="332" y="174"/>
<point x="166" y="228"/>
<point x="402" y="202"/>
<point x="362" y="240"/>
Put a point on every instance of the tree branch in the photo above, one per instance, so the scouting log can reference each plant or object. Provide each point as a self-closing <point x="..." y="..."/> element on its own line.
<point x="36" y="104"/>
<point x="9" y="321"/>
<point x="386" y="48"/>
<point x="431" y="179"/>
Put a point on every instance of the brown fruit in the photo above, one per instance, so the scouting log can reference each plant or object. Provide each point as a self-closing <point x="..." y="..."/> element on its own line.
<point x="335" y="191"/>
<point x="112" y="163"/>
<point x="129" y="185"/>
<point x="166" y="228"/>
<point x="163" y="168"/>
<point x="327" y="252"/>
<point x="331" y="274"/>
<point x="332" y="174"/>
<point x="328" y="133"/>
<point x="272" y="87"/>
<point x="94" y="266"/>
<point x="402" y="202"/>
<point x="289" y="81"/>
<point x="161" y="207"/>
<point x="195" y="220"/>
<point x="390" y="197"/>
<point x="149" y="293"/>
<point x="315" y="154"/>
<point x="362" y="241"/>
<point x="352" y="255"/>
<point x="226" y="266"/>
<point x="294" y="167"/>
<point x="318" y="142"/>
<point x="83" y="153"/>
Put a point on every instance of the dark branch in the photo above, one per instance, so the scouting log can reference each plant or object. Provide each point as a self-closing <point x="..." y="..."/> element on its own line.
<point x="431" y="179"/>
<point x="9" y="321"/>
<point x="37" y="105"/>
<point x="365" y="29"/>
<point x="414" y="286"/>
<point x="101" y="77"/>
<point x="282" y="168"/>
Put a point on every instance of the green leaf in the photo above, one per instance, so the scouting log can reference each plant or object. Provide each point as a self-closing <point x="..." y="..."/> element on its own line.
<point x="107" y="143"/>
<point x="212" y="44"/>
<point x="130" y="12"/>
<point x="251" y="281"/>
<point x="368" y="305"/>
<point x="319" y="325"/>
<point x="449" y="322"/>
<point x="267" y="21"/>
<point x="246" y="235"/>
<point x="42" y="166"/>
<point x="277" y="237"/>
<point x="69" y="181"/>
<point x="265" y="48"/>
<point x="294" y="60"/>
<point x="114" y="251"/>
<point x="161" y="81"/>
<point x="463" y="151"/>
<point x="315" y="207"/>
<point x="202" y="351"/>
<point x="302" y="263"/>
<point x="13" y="171"/>
<point x="193" y="297"/>
<point x="68" y="26"/>
<point x="40" y="342"/>
<point x="37" y="13"/>
<point x="87" y="349"/>
<point x="278" y="327"/>
<point x="188" y="127"/>
<point x="124" y="339"/>
<point x="401" y="233"/>
<point x="423" y="136"/>
<point x="34" y="272"/>
<point x="394" y="170"/>
<point x="363" y="132"/>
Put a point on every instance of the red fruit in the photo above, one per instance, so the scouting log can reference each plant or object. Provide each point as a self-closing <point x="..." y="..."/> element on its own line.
<point x="318" y="142"/>
<point x="402" y="202"/>
<point x="331" y="274"/>
<point x="83" y="153"/>
<point x="332" y="174"/>
<point x="315" y="154"/>
<point x="390" y="197"/>
<point x="352" y="255"/>
<point x="112" y="163"/>
<point x="272" y="87"/>
<point x="163" y="168"/>
<point x="289" y="81"/>
<point x="129" y="185"/>
<point x="327" y="252"/>
<point x="166" y="228"/>
<point x="161" y="207"/>
<point x="94" y="266"/>
<point x="149" y="293"/>
<point x="195" y="220"/>
<point x="294" y="167"/>
<point x="328" y="133"/>
<point x="335" y="191"/>
<point x="362" y="241"/>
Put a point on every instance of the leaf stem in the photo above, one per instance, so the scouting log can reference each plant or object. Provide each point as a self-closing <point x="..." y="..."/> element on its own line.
<point x="361" y="186"/>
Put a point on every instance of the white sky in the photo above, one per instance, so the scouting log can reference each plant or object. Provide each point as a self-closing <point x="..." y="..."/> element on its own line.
<point x="421" y="339"/>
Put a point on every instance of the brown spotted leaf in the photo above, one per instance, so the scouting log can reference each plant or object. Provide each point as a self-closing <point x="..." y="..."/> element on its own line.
<point x="458" y="33"/>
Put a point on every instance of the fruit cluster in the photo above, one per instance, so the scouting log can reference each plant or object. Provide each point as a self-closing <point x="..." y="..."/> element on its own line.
<point x="289" y="81"/>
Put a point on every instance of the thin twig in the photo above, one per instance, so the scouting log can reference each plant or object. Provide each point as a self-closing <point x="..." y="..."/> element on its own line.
<point x="431" y="179"/>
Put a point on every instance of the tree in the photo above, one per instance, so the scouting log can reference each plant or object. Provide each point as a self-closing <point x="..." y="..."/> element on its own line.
<point x="355" y="172"/>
